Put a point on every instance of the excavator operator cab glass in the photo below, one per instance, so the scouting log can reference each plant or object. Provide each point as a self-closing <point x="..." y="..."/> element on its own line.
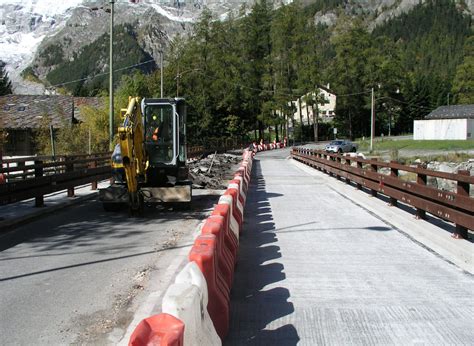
<point x="160" y="133"/>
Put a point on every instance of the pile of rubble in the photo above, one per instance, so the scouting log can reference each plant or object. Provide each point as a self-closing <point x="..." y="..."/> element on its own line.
<point x="449" y="167"/>
<point x="213" y="171"/>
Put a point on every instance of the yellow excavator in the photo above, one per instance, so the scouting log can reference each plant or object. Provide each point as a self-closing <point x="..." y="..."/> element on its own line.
<point x="149" y="161"/>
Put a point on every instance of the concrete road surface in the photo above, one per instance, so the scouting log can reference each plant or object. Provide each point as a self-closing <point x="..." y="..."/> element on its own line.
<point x="317" y="269"/>
<point x="78" y="276"/>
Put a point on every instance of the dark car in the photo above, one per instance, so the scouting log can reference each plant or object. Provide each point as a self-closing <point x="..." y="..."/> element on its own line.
<point x="341" y="146"/>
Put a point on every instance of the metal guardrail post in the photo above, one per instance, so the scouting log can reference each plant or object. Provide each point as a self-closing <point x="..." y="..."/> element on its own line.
<point x="373" y="168"/>
<point x="69" y="168"/>
<point x="348" y="163"/>
<point x="420" y="179"/>
<point x="359" y="166"/>
<point x="462" y="189"/>
<point x="338" y="160"/>
<point x="39" y="200"/>
<point x="393" y="173"/>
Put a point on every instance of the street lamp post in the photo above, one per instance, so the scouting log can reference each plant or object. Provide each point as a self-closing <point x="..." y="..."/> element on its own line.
<point x="111" y="78"/>
<point x="372" y="122"/>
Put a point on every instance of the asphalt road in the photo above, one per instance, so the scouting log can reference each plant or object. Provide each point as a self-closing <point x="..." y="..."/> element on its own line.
<point x="78" y="276"/>
<point x="316" y="268"/>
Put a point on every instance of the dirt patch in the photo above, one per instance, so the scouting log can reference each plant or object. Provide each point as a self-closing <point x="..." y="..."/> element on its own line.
<point x="213" y="171"/>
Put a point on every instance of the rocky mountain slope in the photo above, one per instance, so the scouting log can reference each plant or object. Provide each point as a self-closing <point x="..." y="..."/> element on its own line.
<point x="40" y="34"/>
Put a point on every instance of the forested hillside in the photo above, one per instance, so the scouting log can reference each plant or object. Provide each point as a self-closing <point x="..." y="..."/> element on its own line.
<point x="431" y="40"/>
<point x="88" y="67"/>
<point x="240" y="75"/>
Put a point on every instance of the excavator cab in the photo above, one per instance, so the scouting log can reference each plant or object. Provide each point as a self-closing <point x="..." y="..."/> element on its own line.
<point x="164" y="123"/>
<point x="153" y="151"/>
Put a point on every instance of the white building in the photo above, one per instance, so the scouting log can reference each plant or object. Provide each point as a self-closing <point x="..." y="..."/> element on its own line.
<point x="446" y="122"/>
<point x="326" y="109"/>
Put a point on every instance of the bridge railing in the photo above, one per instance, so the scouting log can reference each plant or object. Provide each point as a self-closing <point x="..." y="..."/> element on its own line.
<point x="34" y="177"/>
<point x="375" y="176"/>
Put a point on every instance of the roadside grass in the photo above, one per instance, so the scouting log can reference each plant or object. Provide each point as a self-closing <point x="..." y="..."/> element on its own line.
<point x="409" y="144"/>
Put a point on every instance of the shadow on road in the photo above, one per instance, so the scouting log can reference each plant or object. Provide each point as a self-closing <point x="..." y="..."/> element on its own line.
<point x="87" y="224"/>
<point x="252" y="306"/>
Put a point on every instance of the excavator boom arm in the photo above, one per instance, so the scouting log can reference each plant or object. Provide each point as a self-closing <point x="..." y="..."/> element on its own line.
<point x="130" y="136"/>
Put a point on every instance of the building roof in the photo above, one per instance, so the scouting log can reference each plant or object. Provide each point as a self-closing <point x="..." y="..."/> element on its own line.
<point x="95" y="102"/>
<point x="452" y="112"/>
<point x="34" y="111"/>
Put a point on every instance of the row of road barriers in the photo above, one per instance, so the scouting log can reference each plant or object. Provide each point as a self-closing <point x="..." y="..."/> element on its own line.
<point x="196" y="308"/>
<point x="270" y="146"/>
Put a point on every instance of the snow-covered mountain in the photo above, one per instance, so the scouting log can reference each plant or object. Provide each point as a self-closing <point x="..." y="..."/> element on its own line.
<point x="29" y="27"/>
<point x="23" y="26"/>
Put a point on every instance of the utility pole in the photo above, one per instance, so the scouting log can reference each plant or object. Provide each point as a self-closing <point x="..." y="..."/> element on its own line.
<point x="372" y="122"/>
<point x="161" y="72"/>
<point x="177" y="81"/>
<point x="111" y="78"/>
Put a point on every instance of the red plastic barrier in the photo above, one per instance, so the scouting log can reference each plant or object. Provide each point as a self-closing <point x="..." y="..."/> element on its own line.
<point x="241" y="193"/>
<point x="241" y="172"/>
<point x="215" y="225"/>
<point x="246" y="164"/>
<point x="235" y="210"/>
<point x="162" y="329"/>
<point x="203" y="253"/>
<point x="210" y="239"/>
<point x="231" y="241"/>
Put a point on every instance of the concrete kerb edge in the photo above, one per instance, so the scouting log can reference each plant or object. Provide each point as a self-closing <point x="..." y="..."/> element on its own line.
<point x="457" y="252"/>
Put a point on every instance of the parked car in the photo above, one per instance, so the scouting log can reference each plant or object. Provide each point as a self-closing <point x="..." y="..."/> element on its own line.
<point x="341" y="146"/>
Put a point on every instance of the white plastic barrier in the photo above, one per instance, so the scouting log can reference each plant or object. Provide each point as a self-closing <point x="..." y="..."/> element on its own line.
<point x="187" y="300"/>
<point x="242" y="192"/>
<point x="234" y="225"/>
<point x="239" y="204"/>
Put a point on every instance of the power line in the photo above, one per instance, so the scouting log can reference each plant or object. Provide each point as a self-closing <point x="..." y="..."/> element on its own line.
<point x="353" y="94"/>
<point x="102" y="74"/>
<point x="415" y="105"/>
<point x="242" y="86"/>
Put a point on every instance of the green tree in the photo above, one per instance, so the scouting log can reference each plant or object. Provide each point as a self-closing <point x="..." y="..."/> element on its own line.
<point x="348" y="73"/>
<point x="463" y="83"/>
<point x="71" y="139"/>
<point x="5" y="84"/>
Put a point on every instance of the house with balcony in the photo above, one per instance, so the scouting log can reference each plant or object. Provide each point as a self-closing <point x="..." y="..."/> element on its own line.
<point x="326" y="108"/>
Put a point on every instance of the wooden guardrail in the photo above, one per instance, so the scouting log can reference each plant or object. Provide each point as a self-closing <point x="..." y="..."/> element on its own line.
<point x="384" y="177"/>
<point x="34" y="177"/>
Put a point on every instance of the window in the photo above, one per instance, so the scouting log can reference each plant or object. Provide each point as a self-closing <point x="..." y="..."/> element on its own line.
<point x="21" y="108"/>
<point x="159" y="125"/>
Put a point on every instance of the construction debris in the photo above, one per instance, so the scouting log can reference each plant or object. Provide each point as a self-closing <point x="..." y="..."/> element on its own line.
<point x="213" y="171"/>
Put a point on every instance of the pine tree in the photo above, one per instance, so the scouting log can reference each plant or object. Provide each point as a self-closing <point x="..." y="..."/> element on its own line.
<point x="5" y="84"/>
<point x="463" y="83"/>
